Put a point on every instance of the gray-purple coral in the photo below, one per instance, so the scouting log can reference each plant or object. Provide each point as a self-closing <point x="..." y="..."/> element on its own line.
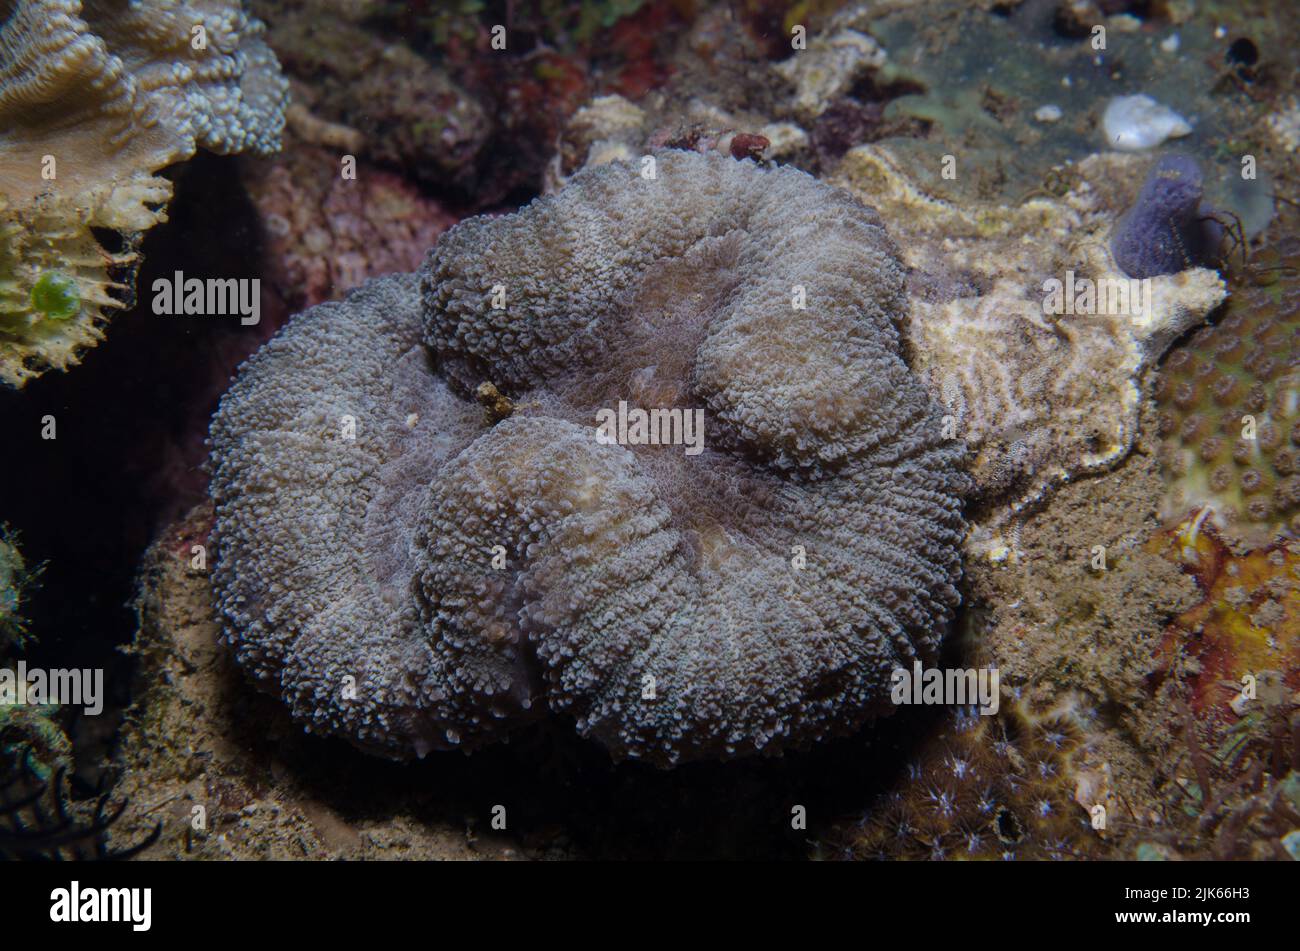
<point x="1166" y="230"/>
<point x="412" y="575"/>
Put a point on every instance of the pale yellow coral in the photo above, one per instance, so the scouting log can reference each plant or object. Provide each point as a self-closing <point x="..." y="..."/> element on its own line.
<point x="95" y="97"/>
<point x="51" y="236"/>
<point x="827" y="69"/>
<point x="1041" y="397"/>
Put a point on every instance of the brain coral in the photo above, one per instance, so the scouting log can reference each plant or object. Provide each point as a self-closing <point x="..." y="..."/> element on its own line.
<point x="412" y="575"/>
<point x="95" y="97"/>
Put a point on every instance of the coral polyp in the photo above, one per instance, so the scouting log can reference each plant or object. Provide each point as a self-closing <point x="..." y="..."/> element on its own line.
<point x="1012" y="785"/>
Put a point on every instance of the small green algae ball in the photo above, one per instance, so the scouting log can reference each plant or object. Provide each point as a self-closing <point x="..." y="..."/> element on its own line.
<point x="56" y="296"/>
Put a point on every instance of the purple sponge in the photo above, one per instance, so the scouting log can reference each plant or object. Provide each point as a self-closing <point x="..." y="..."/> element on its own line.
<point x="1167" y="230"/>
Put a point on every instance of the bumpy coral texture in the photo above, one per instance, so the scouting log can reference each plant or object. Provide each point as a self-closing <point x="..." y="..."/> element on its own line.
<point x="1229" y="415"/>
<point x="469" y="575"/>
<point x="95" y="97"/>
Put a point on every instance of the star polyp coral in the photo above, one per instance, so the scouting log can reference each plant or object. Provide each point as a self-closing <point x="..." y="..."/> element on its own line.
<point x="470" y="570"/>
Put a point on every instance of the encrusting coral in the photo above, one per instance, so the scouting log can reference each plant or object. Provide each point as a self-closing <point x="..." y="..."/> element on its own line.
<point x="412" y="574"/>
<point x="1227" y="676"/>
<point x="1229" y="415"/>
<point x="95" y="97"/>
<point x="1246" y="625"/>
<point x="1039" y="346"/>
<point x="1017" y="785"/>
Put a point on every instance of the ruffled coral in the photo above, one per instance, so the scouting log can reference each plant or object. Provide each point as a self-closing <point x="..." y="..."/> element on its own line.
<point x="649" y="593"/>
<point x="95" y="97"/>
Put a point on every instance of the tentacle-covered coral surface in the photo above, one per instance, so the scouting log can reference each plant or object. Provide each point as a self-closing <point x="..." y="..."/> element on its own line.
<point x="710" y="510"/>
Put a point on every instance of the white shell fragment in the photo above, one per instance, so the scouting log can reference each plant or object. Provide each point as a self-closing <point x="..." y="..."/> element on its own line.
<point x="1133" y="123"/>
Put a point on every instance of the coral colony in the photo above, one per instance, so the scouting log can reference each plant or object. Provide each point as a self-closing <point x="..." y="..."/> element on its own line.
<point x="95" y="101"/>
<point x="674" y="383"/>
<point x="619" y="563"/>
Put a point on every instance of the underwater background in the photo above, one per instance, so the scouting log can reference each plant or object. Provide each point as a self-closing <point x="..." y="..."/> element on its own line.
<point x="1128" y="556"/>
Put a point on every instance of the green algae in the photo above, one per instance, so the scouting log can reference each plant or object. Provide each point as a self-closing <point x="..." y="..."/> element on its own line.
<point x="56" y="296"/>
